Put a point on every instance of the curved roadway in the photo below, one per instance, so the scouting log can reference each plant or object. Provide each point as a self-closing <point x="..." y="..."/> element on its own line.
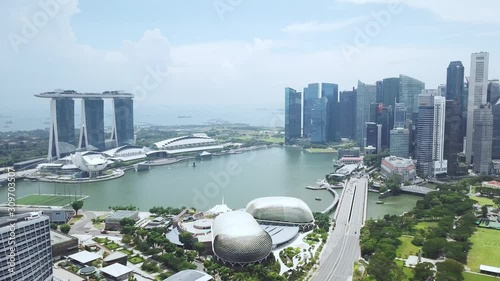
<point x="342" y="248"/>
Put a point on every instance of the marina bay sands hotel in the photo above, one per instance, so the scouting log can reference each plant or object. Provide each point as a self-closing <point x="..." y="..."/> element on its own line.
<point x="62" y="138"/>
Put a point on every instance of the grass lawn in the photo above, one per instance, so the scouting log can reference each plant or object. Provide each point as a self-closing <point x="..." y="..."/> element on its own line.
<point x="127" y="252"/>
<point x="112" y="246"/>
<point x="483" y="200"/>
<point x="321" y="150"/>
<point x="485" y="249"/>
<point x="47" y="200"/>
<point x="406" y="248"/>
<point x="135" y="259"/>
<point x="274" y="140"/>
<point x="426" y="224"/>
<point x="406" y="270"/>
<point x="476" y="277"/>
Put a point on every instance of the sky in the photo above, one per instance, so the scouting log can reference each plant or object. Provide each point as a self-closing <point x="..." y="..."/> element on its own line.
<point x="233" y="52"/>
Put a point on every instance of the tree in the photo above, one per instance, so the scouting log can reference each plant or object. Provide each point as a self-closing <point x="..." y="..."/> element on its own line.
<point x="384" y="269"/>
<point x="433" y="248"/>
<point x="199" y="247"/>
<point x="65" y="228"/>
<point x="496" y="201"/>
<point x="53" y="226"/>
<point x="449" y="270"/>
<point x="423" y="271"/>
<point x="77" y="205"/>
<point x="187" y="239"/>
<point x="484" y="211"/>
<point x="127" y="222"/>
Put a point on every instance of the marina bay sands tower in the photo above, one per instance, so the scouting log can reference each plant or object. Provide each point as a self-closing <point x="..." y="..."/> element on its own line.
<point x="62" y="138"/>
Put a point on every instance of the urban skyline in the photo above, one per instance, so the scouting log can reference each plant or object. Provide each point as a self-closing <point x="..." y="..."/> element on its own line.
<point x="429" y="125"/>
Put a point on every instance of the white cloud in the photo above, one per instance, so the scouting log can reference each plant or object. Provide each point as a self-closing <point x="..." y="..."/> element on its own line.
<point x="315" y="26"/>
<point x="477" y="11"/>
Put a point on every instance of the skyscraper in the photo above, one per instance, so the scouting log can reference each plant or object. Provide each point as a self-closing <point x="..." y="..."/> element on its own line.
<point x="410" y="89"/>
<point x="424" y="141"/>
<point x="442" y="90"/>
<point x="483" y="135"/>
<point x="400" y="142"/>
<point x="380" y="91"/>
<point x="399" y="115"/>
<point x="311" y="94"/>
<point x="454" y="130"/>
<point x="62" y="127"/>
<point x="123" y="126"/>
<point x="319" y="120"/>
<point x="493" y="91"/>
<point x="331" y="92"/>
<point x="365" y="95"/>
<point x="374" y="136"/>
<point x="92" y="131"/>
<point x="495" y="146"/>
<point x="293" y="114"/>
<point x="33" y="252"/>
<point x="391" y="91"/>
<point x="439" y="165"/>
<point x="382" y="115"/>
<point x="347" y="111"/>
<point x="478" y="92"/>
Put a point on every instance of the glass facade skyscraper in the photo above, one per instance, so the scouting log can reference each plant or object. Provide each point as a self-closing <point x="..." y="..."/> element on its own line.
<point x="365" y="96"/>
<point x="311" y="94"/>
<point x="399" y="115"/>
<point x="331" y="92"/>
<point x="410" y="89"/>
<point x="400" y="142"/>
<point x="319" y="121"/>
<point x="124" y="120"/>
<point x="425" y="136"/>
<point x="293" y="114"/>
<point x="454" y="131"/>
<point x="92" y="133"/>
<point x="483" y="136"/>
<point x="347" y="111"/>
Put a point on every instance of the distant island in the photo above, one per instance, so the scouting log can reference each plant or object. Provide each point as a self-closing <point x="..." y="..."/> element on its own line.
<point x="184" y="116"/>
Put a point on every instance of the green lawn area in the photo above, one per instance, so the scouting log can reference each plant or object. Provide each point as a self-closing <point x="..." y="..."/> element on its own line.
<point x="274" y="140"/>
<point x="406" y="248"/>
<point x="426" y="224"/>
<point x="127" y="252"/>
<point x="112" y="246"/>
<point x="321" y="150"/>
<point x="476" y="277"/>
<point x="47" y="200"/>
<point x="135" y="259"/>
<point x="485" y="249"/>
<point x="482" y="200"/>
<point x="406" y="270"/>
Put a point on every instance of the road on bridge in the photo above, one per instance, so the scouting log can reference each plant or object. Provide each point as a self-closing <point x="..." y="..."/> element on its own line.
<point x="342" y="247"/>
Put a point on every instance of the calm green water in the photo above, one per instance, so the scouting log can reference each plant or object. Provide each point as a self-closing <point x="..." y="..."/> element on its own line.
<point x="236" y="178"/>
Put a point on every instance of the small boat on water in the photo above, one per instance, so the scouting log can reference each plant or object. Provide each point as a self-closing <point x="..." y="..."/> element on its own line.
<point x="317" y="199"/>
<point x="380" y="202"/>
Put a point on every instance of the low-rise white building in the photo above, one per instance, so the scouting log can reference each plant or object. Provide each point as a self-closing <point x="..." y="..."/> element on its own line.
<point x="397" y="165"/>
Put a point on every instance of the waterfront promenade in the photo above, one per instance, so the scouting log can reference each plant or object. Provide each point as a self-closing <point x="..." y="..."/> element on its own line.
<point x="342" y="247"/>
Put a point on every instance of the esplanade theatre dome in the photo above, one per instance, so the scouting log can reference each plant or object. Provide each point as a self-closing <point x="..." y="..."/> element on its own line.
<point x="280" y="209"/>
<point x="239" y="239"/>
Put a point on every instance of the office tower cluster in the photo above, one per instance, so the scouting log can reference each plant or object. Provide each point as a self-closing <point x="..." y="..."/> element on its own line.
<point x="92" y="136"/>
<point x="448" y="130"/>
